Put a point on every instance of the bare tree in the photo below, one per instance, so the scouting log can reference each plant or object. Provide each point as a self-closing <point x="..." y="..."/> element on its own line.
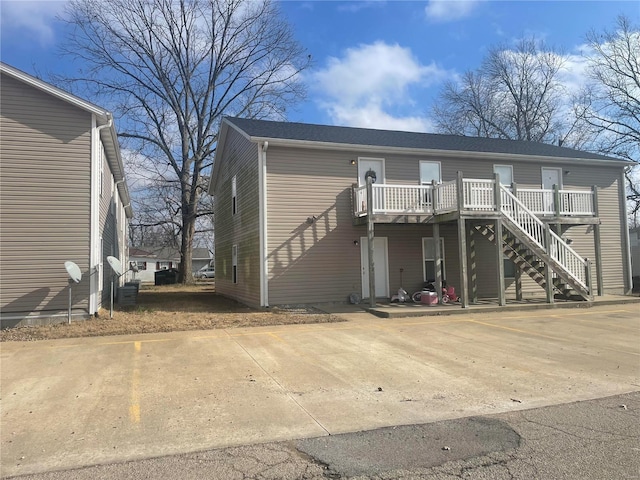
<point x="515" y="94"/>
<point x="610" y="103"/>
<point x="171" y="69"/>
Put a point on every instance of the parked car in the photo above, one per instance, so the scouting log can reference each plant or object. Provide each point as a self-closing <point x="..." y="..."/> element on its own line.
<point x="206" y="273"/>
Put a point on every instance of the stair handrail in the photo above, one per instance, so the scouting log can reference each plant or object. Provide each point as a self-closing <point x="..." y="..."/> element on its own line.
<point x="535" y="229"/>
<point x="511" y="207"/>
<point x="570" y="260"/>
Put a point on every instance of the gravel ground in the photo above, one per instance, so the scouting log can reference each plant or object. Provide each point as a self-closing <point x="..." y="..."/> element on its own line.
<point x="172" y="308"/>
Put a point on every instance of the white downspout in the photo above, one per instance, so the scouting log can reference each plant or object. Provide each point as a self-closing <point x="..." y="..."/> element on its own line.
<point x="264" y="246"/>
<point x="94" y="261"/>
<point x="626" y="241"/>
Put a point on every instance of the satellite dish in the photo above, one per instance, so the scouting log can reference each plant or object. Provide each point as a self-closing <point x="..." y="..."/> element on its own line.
<point x="115" y="265"/>
<point x="74" y="271"/>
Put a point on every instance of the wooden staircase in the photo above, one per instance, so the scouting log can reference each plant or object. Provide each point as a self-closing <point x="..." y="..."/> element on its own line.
<point x="532" y="260"/>
<point x="532" y="246"/>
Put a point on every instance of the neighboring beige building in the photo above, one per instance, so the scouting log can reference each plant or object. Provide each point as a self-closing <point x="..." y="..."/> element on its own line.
<point x="63" y="197"/>
<point x="293" y="217"/>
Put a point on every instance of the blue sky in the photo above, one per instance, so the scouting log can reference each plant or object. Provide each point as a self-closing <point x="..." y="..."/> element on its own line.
<point x="376" y="64"/>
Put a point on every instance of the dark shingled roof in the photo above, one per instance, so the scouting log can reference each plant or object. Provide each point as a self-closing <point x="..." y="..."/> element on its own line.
<point x="395" y="139"/>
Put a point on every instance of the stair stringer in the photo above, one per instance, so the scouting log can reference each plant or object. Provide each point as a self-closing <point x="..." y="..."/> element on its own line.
<point x="555" y="266"/>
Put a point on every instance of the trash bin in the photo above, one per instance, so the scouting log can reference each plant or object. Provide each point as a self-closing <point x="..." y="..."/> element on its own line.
<point x="133" y="283"/>
<point x="166" y="277"/>
<point x="127" y="295"/>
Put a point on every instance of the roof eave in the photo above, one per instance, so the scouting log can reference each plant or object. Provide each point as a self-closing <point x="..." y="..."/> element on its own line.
<point x="109" y="138"/>
<point x="222" y="135"/>
<point x="275" y="142"/>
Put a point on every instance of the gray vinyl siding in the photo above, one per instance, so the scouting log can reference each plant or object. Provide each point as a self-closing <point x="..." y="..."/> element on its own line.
<point x="529" y="175"/>
<point x="316" y="262"/>
<point x="108" y="229"/>
<point x="319" y="262"/>
<point x="240" y="158"/>
<point x="44" y="201"/>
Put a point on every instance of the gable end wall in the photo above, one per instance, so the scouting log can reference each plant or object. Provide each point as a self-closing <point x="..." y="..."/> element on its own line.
<point x="240" y="158"/>
<point x="45" y="173"/>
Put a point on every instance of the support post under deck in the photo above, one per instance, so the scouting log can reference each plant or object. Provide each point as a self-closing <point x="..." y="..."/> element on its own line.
<point x="370" y="244"/>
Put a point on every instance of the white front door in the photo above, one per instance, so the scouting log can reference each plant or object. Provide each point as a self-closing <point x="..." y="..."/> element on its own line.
<point x="380" y="260"/>
<point x="550" y="177"/>
<point x="364" y="165"/>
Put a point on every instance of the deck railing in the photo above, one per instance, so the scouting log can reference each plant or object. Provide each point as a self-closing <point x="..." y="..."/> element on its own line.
<point x="478" y="195"/>
<point x="446" y="196"/>
<point x="545" y="238"/>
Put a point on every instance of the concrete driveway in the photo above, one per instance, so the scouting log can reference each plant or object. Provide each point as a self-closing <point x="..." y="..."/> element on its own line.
<point x="69" y="403"/>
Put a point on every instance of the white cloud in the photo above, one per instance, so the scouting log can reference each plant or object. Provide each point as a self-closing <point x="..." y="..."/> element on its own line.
<point x="362" y="87"/>
<point x="372" y="116"/>
<point x="31" y="18"/>
<point x="574" y="74"/>
<point x="143" y="172"/>
<point x="449" y="10"/>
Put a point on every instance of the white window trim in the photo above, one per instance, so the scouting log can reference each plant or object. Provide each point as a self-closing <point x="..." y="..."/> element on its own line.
<point x="506" y="259"/>
<point x="101" y="153"/>
<point x="234" y="195"/>
<point x="234" y="263"/>
<point x="431" y="162"/>
<point x="101" y="265"/>
<point x="424" y="259"/>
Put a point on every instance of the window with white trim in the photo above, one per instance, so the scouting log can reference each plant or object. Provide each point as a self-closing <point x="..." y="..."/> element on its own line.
<point x="509" y="267"/>
<point x="234" y="263"/>
<point x="429" y="255"/>
<point x="101" y="265"/>
<point x="234" y="196"/>
<point x="505" y="172"/>
<point x="430" y="171"/>
<point x="101" y="153"/>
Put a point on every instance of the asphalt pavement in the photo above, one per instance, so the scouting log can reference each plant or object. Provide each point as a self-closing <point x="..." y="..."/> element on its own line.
<point x="69" y="404"/>
<point x="589" y="440"/>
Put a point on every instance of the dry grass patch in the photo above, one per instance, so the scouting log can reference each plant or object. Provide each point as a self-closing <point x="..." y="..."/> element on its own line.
<point x="171" y="308"/>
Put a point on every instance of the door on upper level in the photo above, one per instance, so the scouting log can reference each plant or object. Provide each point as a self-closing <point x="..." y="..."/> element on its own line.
<point x="550" y="177"/>
<point x="375" y="165"/>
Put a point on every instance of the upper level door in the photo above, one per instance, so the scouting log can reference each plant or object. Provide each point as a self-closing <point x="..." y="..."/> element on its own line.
<point x="375" y="165"/>
<point x="550" y="177"/>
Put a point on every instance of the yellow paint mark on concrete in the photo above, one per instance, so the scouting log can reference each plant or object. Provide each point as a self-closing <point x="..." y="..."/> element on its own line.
<point x="128" y="342"/>
<point x="273" y="335"/>
<point x="134" y="404"/>
<point x="134" y="413"/>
